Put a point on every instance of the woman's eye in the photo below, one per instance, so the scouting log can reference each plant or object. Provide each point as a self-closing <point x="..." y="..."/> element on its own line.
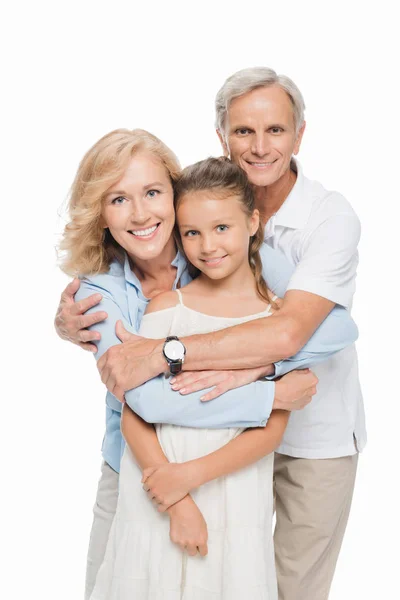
<point x="191" y="233"/>
<point x="118" y="200"/>
<point x="221" y="228"/>
<point x="153" y="193"/>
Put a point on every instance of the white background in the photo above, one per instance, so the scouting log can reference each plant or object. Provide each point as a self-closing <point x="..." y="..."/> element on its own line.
<point x="74" y="71"/>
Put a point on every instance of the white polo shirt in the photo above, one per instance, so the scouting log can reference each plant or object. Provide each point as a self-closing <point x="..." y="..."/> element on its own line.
<point x="318" y="231"/>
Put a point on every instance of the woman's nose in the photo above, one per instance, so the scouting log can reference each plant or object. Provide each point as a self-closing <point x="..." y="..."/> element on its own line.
<point x="139" y="213"/>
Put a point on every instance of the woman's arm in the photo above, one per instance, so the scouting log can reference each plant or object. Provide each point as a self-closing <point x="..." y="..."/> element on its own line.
<point x="168" y="484"/>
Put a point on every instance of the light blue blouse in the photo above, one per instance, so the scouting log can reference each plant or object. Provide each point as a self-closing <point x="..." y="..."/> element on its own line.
<point x="155" y="401"/>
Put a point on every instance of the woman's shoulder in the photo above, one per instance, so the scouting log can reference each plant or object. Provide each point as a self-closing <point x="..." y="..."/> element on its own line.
<point x="111" y="282"/>
<point x="164" y="300"/>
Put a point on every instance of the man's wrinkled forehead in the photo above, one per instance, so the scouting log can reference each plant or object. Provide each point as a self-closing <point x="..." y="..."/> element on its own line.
<point x="268" y="105"/>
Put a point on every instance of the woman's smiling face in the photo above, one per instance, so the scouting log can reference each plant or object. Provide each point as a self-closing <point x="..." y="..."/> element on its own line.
<point x="138" y="209"/>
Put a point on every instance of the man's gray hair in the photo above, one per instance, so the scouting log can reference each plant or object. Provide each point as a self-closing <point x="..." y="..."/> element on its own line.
<point x="250" y="79"/>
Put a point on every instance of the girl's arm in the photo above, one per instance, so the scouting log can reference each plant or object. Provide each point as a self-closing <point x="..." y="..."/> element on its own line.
<point x="168" y="484"/>
<point x="142" y="440"/>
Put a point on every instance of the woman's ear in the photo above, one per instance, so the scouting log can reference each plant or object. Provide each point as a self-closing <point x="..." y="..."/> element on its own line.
<point x="223" y="143"/>
<point x="254" y="222"/>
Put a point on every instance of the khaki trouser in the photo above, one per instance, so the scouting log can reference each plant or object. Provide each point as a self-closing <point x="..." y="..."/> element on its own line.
<point x="312" y="499"/>
<point x="103" y="514"/>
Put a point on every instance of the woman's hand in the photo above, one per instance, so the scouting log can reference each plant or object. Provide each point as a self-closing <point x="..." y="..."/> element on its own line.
<point x="295" y="390"/>
<point x="188" y="528"/>
<point x="168" y="483"/>
<point x="193" y="381"/>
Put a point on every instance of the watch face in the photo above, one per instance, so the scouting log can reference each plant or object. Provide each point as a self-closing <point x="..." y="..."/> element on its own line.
<point x="174" y="350"/>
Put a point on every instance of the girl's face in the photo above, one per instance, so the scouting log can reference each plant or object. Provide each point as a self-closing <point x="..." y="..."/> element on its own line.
<point x="139" y="209"/>
<point x="215" y="232"/>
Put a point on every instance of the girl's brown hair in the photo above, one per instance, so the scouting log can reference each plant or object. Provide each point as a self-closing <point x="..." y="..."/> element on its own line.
<point x="88" y="247"/>
<point x="226" y="179"/>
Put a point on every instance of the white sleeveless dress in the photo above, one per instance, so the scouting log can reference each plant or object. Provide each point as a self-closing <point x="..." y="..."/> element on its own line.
<point x="141" y="562"/>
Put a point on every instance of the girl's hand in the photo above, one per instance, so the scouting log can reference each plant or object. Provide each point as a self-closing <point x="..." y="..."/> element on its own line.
<point x="295" y="390"/>
<point x="168" y="483"/>
<point x="193" y="381"/>
<point x="188" y="528"/>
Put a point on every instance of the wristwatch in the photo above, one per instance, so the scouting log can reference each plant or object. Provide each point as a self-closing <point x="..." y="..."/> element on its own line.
<point x="174" y="353"/>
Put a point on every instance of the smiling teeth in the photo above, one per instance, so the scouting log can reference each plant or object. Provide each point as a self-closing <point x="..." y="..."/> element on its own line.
<point x="144" y="232"/>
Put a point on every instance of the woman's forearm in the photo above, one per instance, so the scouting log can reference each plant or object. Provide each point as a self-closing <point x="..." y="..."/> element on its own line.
<point x="247" y="448"/>
<point x="142" y="440"/>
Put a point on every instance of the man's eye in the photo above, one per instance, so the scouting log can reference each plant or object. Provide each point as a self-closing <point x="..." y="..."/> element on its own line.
<point x="191" y="233"/>
<point x="118" y="200"/>
<point x="276" y="130"/>
<point x="153" y="193"/>
<point x="242" y="131"/>
<point x="222" y="228"/>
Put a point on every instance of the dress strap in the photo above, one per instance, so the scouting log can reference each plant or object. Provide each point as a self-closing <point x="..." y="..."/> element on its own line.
<point x="179" y="296"/>
<point x="274" y="298"/>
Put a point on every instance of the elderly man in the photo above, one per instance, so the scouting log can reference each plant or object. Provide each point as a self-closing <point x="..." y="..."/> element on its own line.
<point x="260" y="123"/>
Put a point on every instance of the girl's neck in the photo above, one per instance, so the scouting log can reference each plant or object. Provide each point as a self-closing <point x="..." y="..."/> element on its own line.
<point x="239" y="283"/>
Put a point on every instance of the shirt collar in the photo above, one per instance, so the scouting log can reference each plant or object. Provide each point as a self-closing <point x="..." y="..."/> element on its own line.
<point x="179" y="262"/>
<point x="295" y="210"/>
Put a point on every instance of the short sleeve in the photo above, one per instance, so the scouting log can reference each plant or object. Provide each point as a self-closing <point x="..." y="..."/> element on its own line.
<point x="157" y="325"/>
<point x="328" y="260"/>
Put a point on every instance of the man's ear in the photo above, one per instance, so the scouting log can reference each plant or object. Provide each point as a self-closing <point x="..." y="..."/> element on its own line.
<point x="223" y="143"/>
<point x="299" y="138"/>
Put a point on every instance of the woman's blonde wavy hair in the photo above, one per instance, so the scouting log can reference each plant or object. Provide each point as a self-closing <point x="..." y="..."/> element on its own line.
<point x="226" y="179"/>
<point x="87" y="247"/>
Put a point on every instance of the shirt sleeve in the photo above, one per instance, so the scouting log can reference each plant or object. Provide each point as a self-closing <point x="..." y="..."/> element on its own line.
<point x="328" y="260"/>
<point x="335" y="333"/>
<point x="156" y="402"/>
<point x="109" y="305"/>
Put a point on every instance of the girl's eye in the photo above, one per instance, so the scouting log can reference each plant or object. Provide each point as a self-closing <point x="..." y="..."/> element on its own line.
<point x="191" y="233"/>
<point x="118" y="200"/>
<point x="153" y="193"/>
<point x="222" y="228"/>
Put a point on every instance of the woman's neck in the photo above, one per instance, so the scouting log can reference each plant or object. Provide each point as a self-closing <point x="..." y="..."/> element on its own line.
<point x="158" y="268"/>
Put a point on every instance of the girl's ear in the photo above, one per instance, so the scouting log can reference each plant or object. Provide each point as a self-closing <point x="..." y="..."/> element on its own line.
<point x="254" y="222"/>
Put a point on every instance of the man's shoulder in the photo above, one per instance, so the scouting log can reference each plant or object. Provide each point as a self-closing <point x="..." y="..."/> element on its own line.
<point x="326" y="204"/>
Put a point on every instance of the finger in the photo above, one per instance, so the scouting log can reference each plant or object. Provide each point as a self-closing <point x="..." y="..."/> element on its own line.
<point x="150" y="495"/>
<point x="163" y="507"/>
<point x="203" y="549"/>
<point x="84" y="335"/>
<point x="190" y="377"/>
<point x="217" y="391"/>
<point x="203" y="384"/>
<point x="88" y="347"/>
<point x="191" y="549"/>
<point x="85" y="321"/>
<point x="122" y="333"/>
<point x="147" y="472"/>
<point x="119" y="393"/>
<point x="68" y="294"/>
<point x="83" y="305"/>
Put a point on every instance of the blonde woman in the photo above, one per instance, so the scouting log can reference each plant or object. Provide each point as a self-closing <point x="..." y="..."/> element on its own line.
<point x="120" y="238"/>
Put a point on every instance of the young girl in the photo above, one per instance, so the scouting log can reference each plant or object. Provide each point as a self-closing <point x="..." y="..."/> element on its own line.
<point x="230" y="545"/>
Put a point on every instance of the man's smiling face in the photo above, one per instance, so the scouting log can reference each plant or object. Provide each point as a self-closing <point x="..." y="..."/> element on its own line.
<point x="260" y="134"/>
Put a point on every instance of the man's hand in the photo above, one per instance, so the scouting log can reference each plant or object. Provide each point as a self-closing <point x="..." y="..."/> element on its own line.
<point x="193" y="381"/>
<point x="131" y="363"/>
<point x="295" y="390"/>
<point x="169" y="483"/>
<point x="188" y="528"/>
<point x="71" y="323"/>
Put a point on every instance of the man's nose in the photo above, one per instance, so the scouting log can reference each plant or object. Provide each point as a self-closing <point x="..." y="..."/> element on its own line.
<point x="260" y="145"/>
